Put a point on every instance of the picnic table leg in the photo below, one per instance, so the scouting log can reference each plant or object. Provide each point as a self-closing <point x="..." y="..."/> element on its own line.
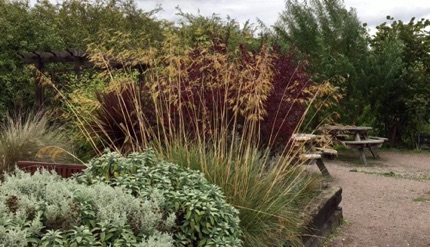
<point x="374" y="153"/>
<point x="322" y="168"/>
<point x="362" y="156"/>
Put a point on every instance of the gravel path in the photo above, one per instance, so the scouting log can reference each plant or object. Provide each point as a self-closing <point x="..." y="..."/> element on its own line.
<point x="384" y="204"/>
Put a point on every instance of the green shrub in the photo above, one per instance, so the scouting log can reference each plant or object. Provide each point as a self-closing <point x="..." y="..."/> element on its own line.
<point x="208" y="108"/>
<point x="270" y="193"/>
<point x="47" y="210"/>
<point x="21" y="137"/>
<point x="203" y="216"/>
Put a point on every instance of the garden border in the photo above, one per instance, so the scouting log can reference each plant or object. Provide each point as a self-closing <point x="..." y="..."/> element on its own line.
<point x="323" y="216"/>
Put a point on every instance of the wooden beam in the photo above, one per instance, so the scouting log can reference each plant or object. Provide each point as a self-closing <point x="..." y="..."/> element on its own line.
<point x="40" y="97"/>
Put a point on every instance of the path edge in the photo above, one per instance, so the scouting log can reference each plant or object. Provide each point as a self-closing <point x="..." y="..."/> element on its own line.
<point x="323" y="216"/>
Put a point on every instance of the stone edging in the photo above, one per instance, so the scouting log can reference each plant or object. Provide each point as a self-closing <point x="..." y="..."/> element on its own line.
<point x="323" y="215"/>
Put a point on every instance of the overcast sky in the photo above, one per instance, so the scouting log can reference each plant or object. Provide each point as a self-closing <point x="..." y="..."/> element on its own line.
<point x="371" y="11"/>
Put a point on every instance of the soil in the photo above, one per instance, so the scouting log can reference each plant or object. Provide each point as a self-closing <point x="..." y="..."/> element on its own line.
<point x="386" y="203"/>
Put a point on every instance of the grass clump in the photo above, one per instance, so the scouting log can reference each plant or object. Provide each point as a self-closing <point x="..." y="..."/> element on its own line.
<point x="228" y="114"/>
<point x="421" y="199"/>
<point x="22" y="136"/>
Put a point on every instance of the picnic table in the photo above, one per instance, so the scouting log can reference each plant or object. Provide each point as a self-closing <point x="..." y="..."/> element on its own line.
<point x="307" y="150"/>
<point x="356" y="137"/>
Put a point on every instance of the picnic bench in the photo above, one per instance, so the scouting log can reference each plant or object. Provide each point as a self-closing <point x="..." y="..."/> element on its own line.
<point x="309" y="152"/>
<point x="355" y="137"/>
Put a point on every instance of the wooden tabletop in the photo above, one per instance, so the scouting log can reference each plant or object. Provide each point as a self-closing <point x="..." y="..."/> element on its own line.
<point x="303" y="137"/>
<point x="344" y="128"/>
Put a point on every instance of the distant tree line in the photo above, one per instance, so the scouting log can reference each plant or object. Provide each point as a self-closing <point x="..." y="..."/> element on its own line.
<point x="383" y="80"/>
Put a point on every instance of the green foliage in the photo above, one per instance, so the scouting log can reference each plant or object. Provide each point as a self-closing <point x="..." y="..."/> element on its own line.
<point x="72" y="24"/>
<point x="47" y="210"/>
<point x="69" y="25"/>
<point x="81" y="94"/>
<point x="270" y="191"/>
<point x="207" y="108"/>
<point x="203" y="216"/>
<point x="204" y="31"/>
<point x="80" y="21"/>
<point x="22" y="136"/>
<point x="19" y="32"/>
<point x="400" y="79"/>
<point x="335" y="43"/>
<point x="384" y="79"/>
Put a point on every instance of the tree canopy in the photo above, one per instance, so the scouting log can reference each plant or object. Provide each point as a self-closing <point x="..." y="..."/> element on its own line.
<point x="383" y="79"/>
<point x="334" y="42"/>
<point x="70" y="25"/>
<point x="399" y="78"/>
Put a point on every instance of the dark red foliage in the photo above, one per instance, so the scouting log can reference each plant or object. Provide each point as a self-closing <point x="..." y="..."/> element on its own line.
<point x="202" y="103"/>
<point x="283" y="107"/>
<point x="117" y="120"/>
<point x="201" y="100"/>
<point x="284" y="110"/>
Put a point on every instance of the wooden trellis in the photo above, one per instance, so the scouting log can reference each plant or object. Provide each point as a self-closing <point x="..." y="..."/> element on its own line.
<point x="80" y="60"/>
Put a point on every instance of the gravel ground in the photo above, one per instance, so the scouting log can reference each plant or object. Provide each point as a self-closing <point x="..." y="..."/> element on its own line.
<point x="386" y="203"/>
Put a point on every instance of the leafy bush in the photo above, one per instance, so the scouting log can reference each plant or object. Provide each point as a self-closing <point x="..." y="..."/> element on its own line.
<point x="202" y="92"/>
<point x="47" y="210"/>
<point x="118" y="127"/>
<point x="213" y="111"/>
<point x="22" y="137"/>
<point x="203" y="216"/>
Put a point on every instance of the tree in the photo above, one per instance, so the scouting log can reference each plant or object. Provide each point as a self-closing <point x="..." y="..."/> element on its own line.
<point x="79" y="22"/>
<point x="201" y="30"/>
<point x="400" y="79"/>
<point x="335" y="43"/>
<point x="70" y="25"/>
<point x="23" y="29"/>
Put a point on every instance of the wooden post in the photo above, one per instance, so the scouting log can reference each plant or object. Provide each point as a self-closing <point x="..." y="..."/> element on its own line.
<point x="322" y="168"/>
<point x="77" y="68"/>
<point x="374" y="153"/>
<point x="362" y="156"/>
<point x="39" y="86"/>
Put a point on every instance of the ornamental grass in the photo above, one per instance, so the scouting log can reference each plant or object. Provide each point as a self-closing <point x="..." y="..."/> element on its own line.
<point x="229" y="114"/>
<point x="23" y="135"/>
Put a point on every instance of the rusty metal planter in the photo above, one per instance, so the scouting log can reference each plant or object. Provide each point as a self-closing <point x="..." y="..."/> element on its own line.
<point x="64" y="170"/>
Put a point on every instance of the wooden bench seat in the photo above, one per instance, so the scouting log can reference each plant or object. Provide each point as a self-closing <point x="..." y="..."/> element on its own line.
<point x="310" y="156"/>
<point x="378" y="138"/>
<point x="327" y="152"/>
<point x="371" y="144"/>
<point x="317" y="158"/>
<point x="364" y="143"/>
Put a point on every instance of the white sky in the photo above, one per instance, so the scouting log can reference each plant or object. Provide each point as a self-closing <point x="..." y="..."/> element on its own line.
<point x="371" y="11"/>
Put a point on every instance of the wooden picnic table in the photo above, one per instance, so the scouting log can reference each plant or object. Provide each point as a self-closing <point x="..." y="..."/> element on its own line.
<point x="358" y="132"/>
<point x="308" y="151"/>
<point x="358" y="138"/>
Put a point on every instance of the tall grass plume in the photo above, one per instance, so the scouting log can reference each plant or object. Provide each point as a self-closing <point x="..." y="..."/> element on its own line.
<point x="229" y="114"/>
<point x="24" y="135"/>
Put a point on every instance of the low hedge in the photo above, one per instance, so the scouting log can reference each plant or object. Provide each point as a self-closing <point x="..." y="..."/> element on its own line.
<point x="138" y="200"/>
<point x="203" y="218"/>
<point x="46" y="210"/>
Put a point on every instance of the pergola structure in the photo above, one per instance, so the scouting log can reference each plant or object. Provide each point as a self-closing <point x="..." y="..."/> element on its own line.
<point x="79" y="59"/>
